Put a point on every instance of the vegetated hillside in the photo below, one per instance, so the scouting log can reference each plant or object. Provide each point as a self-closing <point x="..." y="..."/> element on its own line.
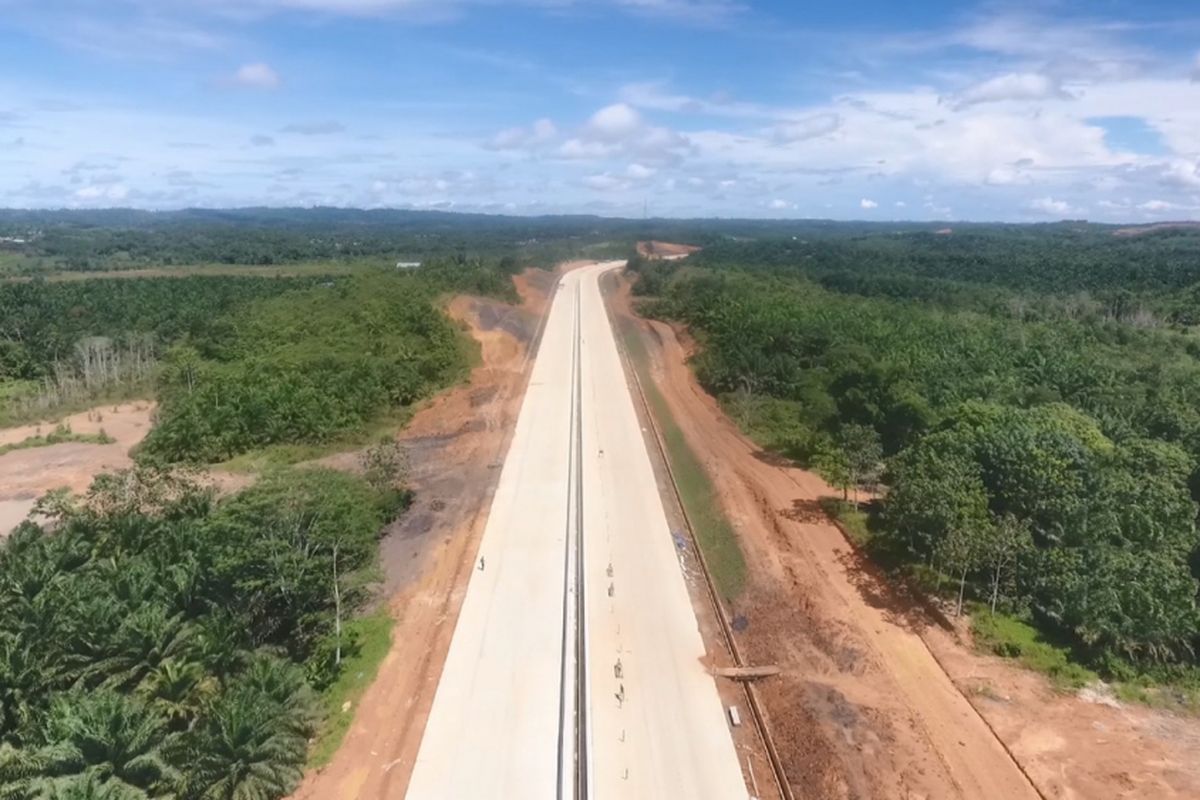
<point x="124" y="238"/>
<point x="155" y="643"/>
<point x="1046" y="463"/>
<point x="239" y="362"/>
<point x="304" y="367"/>
<point x="1038" y="258"/>
<point x="41" y="324"/>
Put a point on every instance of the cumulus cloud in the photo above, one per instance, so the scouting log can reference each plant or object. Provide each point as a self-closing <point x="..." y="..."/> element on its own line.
<point x="539" y="133"/>
<point x="1181" y="173"/>
<point x="808" y="128"/>
<point x="1051" y="206"/>
<point x="640" y="172"/>
<point x="606" y="182"/>
<point x="315" y="128"/>
<point x="613" y="123"/>
<point x="108" y="192"/>
<point x="868" y="204"/>
<point x="781" y="205"/>
<point x="619" y="130"/>
<point x="256" y="76"/>
<point x="1019" y="86"/>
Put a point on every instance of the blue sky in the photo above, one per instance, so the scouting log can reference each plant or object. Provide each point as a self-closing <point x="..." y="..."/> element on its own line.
<point x="866" y="110"/>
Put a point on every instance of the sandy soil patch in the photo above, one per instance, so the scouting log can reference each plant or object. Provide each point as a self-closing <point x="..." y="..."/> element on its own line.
<point x="665" y="250"/>
<point x="28" y="473"/>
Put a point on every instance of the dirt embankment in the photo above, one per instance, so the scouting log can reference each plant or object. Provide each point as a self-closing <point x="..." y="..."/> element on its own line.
<point x="457" y="444"/>
<point x="27" y="474"/>
<point x="876" y="700"/>
<point x="665" y="250"/>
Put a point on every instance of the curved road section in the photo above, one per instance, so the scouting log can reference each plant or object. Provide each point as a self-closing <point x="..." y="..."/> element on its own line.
<point x="575" y="670"/>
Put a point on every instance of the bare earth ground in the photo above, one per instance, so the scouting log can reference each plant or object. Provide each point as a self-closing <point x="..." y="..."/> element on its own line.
<point x="665" y="250"/>
<point x="876" y="699"/>
<point x="27" y="474"/>
<point x="457" y="443"/>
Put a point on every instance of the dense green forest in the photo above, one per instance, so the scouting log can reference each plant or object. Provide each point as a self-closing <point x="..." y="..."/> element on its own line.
<point x="1039" y="453"/>
<point x="239" y="362"/>
<point x="304" y="367"/>
<point x="42" y="323"/>
<point x="157" y="643"/>
<point x="41" y="241"/>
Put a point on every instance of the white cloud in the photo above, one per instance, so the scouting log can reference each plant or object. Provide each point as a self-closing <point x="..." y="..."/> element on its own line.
<point x="613" y="123"/>
<point x="256" y="76"/>
<point x="1181" y="173"/>
<point x="640" y="172"/>
<point x="1052" y="207"/>
<point x="901" y="204"/>
<point x="536" y="135"/>
<point x="619" y="130"/>
<point x="781" y="205"/>
<point x="1196" y="69"/>
<point x="808" y="128"/>
<point x="1018" y="86"/>
<point x="606" y="182"/>
<point x="106" y="192"/>
<point x="868" y="204"/>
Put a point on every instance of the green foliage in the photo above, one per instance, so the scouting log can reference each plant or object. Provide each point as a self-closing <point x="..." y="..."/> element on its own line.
<point x="715" y="536"/>
<point x="41" y="322"/>
<point x="304" y="368"/>
<point x="371" y="635"/>
<point x="1011" y="637"/>
<point x="1042" y="454"/>
<point x="158" y="644"/>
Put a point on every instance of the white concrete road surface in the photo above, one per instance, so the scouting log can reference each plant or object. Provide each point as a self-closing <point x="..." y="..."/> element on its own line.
<point x="543" y="696"/>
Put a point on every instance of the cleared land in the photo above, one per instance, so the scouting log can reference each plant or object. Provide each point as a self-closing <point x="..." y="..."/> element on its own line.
<point x="25" y="475"/>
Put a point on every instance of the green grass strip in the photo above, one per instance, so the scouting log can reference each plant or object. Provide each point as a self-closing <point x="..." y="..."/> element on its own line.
<point x="373" y="633"/>
<point x="713" y="532"/>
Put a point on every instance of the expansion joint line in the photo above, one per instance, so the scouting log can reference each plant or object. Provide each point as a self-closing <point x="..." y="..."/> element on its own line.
<point x="573" y="682"/>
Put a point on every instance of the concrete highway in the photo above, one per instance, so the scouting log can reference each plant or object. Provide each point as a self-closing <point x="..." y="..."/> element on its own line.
<point x="575" y="670"/>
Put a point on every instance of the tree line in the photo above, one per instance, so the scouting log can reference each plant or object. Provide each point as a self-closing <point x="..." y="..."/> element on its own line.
<point x="304" y="367"/>
<point x="1044" y="465"/>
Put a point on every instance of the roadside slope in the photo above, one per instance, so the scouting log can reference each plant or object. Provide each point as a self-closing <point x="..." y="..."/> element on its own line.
<point x="862" y="707"/>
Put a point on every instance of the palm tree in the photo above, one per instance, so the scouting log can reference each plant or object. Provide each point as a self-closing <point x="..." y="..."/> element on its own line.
<point x="145" y="639"/>
<point x="108" y="736"/>
<point x="177" y="690"/>
<point x="18" y="771"/>
<point x="89" y="787"/>
<point x="245" y="750"/>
